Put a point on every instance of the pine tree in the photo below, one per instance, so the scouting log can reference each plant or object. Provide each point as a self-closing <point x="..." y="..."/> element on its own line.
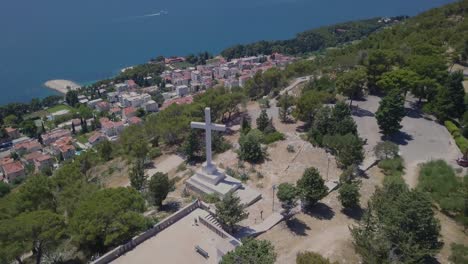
<point x="192" y="146"/>
<point x="245" y="126"/>
<point x="230" y="211"/>
<point x="137" y="175"/>
<point x="263" y="121"/>
<point x="311" y="187"/>
<point x="390" y="113"/>
<point x="159" y="186"/>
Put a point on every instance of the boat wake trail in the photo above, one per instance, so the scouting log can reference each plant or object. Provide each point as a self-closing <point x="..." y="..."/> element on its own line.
<point x="160" y="13"/>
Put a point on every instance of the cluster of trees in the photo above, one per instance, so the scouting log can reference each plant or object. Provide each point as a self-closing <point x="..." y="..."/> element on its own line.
<point x="251" y="139"/>
<point x="310" y="189"/>
<point x="308" y="41"/>
<point x="335" y="129"/>
<point x="398" y="226"/>
<point x="199" y="59"/>
<point x="265" y="83"/>
<point x="45" y="212"/>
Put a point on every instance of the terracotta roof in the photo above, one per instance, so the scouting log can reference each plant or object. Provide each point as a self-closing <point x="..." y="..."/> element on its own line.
<point x="129" y="110"/>
<point x="135" y="120"/>
<point x="181" y="100"/>
<point x="94" y="137"/>
<point x="28" y="145"/>
<point x="13" y="167"/>
<point x="10" y="129"/>
<point x="6" y="160"/>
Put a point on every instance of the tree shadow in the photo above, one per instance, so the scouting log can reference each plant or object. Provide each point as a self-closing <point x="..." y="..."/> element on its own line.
<point x="413" y="113"/>
<point x="360" y="112"/>
<point x="401" y="138"/>
<point x="355" y="213"/>
<point x="320" y="211"/>
<point x="298" y="227"/>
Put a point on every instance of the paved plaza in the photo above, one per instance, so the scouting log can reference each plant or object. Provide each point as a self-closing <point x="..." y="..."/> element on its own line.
<point x="176" y="244"/>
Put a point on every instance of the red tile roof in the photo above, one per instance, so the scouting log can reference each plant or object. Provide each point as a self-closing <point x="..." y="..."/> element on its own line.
<point x="135" y="120"/>
<point x="13" y="167"/>
<point x="129" y="110"/>
<point x="181" y="100"/>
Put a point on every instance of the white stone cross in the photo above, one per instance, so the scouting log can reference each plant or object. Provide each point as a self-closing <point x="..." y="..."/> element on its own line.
<point x="208" y="126"/>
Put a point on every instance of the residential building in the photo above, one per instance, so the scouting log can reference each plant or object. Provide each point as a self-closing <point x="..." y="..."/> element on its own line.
<point x="92" y="104"/>
<point x="39" y="160"/>
<point x="102" y="106"/>
<point x="51" y="136"/>
<point x="12" y="171"/>
<point x="182" y="90"/>
<point x="13" y="133"/>
<point x="134" y="120"/>
<point x="96" y="138"/>
<point x="27" y="146"/>
<point x="128" y="112"/>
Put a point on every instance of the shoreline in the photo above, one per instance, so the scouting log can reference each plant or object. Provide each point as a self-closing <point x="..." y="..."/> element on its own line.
<point x="62" y="86"/>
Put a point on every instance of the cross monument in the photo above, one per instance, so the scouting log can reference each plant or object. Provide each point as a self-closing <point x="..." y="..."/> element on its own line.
<point x="209" y="167"/>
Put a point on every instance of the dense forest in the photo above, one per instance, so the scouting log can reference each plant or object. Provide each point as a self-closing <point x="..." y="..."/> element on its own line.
<point x="312" y="40"/>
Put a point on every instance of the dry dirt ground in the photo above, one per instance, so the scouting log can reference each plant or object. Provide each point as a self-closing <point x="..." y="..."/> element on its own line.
<point x="325" y="229"/>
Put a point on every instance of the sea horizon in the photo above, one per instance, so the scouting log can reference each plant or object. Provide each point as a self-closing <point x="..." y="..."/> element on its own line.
<point x="88" y="41"/>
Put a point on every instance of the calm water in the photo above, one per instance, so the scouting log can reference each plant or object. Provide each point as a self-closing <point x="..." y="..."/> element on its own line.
<point x="88" y="40"/>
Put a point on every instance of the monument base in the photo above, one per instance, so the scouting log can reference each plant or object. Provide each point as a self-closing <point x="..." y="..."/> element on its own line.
<point x="220" y="184"/>
<point x="217" y="183"/>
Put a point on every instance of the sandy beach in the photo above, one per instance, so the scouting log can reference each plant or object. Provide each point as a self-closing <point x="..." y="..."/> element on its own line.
<point x="62" y="86"/>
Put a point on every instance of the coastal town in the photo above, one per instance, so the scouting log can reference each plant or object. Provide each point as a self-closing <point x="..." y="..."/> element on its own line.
<point x="118" y="108"/>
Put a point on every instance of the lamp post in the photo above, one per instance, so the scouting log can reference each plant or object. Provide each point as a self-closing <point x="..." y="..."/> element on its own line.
<point x="328" y="164"/>
<point x="273" y="198"/>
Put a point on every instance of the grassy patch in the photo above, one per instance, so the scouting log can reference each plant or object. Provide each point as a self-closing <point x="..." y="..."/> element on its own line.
<point x="83" y="138"/>
<point x="273" y="137"/>
<point x="439" y="180"/>
<point x="60" y="108"/>
<point x="393" y="169"/>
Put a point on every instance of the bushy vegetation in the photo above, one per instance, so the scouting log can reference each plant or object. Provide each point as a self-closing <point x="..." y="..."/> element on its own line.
<point x="309" y="41"/>
<point x="449" y="191"/>
<point x="308" y="257"/>
<point x="398" y="226"/>
<point x="251" y="251"/>
<point x="460" y="140"/>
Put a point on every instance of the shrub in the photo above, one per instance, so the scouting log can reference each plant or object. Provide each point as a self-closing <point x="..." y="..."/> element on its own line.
<point x="462" y="144"/>
<point x="154" y="153"/>
<point x="211" y="198"/>
<point x="392" y="166"/>
<point x="451" y="127"/>
<point x="290" y="149"/>
<point x="273" y="137"/>
<point x="308" y="257"/>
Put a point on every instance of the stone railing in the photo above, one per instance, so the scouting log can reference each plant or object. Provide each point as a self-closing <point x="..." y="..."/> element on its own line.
<point x="135" y="241"/>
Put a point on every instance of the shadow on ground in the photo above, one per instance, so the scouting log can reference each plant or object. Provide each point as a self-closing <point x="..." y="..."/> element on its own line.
<point x="320" y="211"/>
<point x="359" y="112"/>
<point x="298" y="227"/>
<point x="401" y="138"/>
<point x="355" y="213"/>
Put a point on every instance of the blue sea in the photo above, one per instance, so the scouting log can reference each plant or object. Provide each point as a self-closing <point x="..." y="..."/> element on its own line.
<point x="87" y="40"/>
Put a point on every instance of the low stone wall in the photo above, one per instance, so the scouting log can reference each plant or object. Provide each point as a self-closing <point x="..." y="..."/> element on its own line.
<point x="120" y="250"/>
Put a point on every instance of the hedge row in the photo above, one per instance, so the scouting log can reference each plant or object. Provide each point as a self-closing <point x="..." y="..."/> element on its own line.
<point x="461" y="141"/>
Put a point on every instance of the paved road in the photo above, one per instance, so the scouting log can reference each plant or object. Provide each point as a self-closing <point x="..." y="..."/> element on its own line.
<point x="420" y="139"/>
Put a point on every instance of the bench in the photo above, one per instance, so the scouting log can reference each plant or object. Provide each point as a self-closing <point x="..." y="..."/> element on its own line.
<point x="202" y="252"/>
